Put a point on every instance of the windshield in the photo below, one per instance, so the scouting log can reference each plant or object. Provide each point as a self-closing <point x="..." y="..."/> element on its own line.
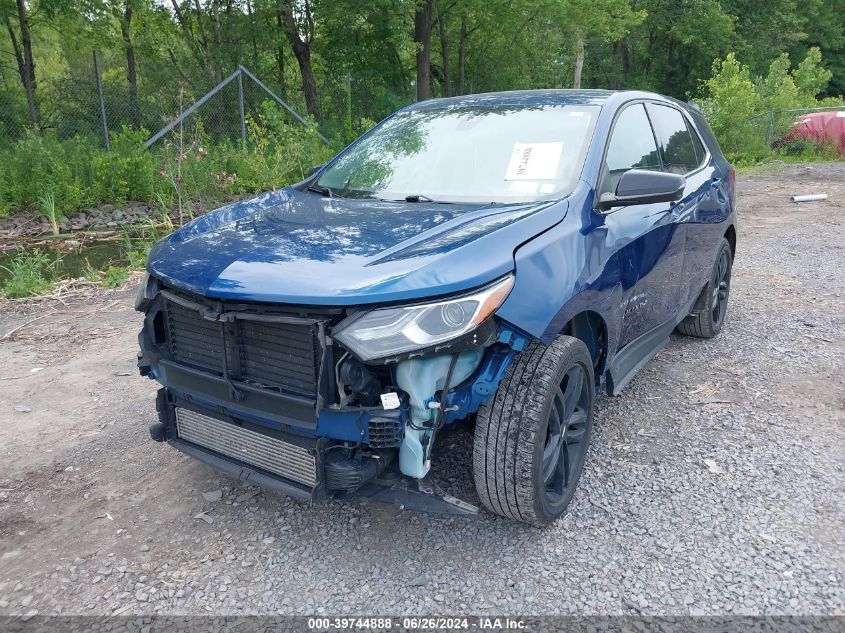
<point x="467" y="154"/>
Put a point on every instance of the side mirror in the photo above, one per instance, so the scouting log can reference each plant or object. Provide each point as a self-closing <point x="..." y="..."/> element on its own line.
<point x="314" y="170"/>
<point x="640" y="186"/>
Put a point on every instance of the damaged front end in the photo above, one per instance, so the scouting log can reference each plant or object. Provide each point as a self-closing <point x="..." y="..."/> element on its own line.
<point x="323" y="402"/>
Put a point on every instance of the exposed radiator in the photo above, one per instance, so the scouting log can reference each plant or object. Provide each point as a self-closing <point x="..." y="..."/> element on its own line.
<point x="277" y="356"/>
<point x="256" y="449"/>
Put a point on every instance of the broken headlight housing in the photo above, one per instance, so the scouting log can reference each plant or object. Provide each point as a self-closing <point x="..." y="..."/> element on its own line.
<point x="394" y="331"/>
<point x="146" y="291"/>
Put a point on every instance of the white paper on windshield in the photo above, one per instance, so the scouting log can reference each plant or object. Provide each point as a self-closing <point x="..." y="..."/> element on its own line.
<point x="524" y="186"/>
<point x="534" y="161"/>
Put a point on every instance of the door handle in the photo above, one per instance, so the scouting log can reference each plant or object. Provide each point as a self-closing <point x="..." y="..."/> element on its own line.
<point x="716" y="182"/>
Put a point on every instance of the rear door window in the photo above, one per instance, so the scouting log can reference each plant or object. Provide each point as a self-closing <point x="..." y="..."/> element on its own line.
<point x="631" y="146"/>
<point x="676" y="145"/>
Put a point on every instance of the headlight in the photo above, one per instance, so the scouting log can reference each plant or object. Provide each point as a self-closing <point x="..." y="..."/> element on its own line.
<point x="146" y="291"/>
<point x="389" y="331"/>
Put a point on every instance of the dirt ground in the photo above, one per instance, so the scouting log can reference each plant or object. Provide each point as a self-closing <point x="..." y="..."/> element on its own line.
<point x="714" y="484"/>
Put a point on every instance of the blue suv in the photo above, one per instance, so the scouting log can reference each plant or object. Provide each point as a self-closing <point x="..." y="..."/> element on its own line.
<point x="495" y="259"/>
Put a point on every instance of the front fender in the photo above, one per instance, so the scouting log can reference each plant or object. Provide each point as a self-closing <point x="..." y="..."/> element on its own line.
<point x="564" y="271"/>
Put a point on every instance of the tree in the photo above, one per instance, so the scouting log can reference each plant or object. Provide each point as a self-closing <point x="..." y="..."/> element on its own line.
<point x="423" y="17"/>
<point x="606" y="19"/>
<point x="123" y="13"/>
<point x="729" y="101"/>
<point x="192" y="19"/>
<point x="298" y="18"/>
<point x="676" y="44"/>
<point x="811" y="77"/>
<point x="445" y="78"/>
<point x="25" y="61"/>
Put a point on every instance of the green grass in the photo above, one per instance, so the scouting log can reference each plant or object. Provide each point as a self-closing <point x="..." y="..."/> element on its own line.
<point x="47" y="204"/>
<point x="34" y="272"/>
<point x="114" y="276"/>
<point x="29" y="274"/>
<point x="777" y="161"/>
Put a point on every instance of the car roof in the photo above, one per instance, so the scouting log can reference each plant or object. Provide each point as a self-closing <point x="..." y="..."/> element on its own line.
<point x="560" y="97"/>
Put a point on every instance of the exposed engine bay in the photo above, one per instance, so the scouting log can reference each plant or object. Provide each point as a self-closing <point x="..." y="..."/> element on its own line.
<point x="249" y="382"/>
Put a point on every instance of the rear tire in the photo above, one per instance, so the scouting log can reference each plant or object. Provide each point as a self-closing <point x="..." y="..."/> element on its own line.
<point x="707" y="321"/>
<point x="531" y="438"/>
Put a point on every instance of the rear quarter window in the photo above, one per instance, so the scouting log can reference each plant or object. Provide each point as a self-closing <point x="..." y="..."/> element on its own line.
<point x="700" y="151"/>
<point x="676" y="143"/>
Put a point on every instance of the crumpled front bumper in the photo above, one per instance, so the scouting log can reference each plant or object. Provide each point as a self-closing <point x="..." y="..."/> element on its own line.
<point x="280" y="461"/>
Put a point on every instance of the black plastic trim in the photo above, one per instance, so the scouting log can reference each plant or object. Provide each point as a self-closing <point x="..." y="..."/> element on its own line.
<point x="631" y="358"/>
<point x="271" y="405"/>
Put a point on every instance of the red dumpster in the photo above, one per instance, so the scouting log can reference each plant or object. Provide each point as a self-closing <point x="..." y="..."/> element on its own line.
<point x="821" y="128"/>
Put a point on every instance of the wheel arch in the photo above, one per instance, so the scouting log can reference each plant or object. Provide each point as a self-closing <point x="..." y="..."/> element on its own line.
<point x="730" y="235"/>
<point x="590" y="327"/>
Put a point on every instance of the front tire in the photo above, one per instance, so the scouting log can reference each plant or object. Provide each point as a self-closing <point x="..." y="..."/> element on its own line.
<point x="707" y="321"/>
<point x="531" y="439"/>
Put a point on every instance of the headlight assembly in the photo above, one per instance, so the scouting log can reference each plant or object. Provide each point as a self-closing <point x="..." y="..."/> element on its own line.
<point x="390" y="331"/>
<point x="146" y="291"/>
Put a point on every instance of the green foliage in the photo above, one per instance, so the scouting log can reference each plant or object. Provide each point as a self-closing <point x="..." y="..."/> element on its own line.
<point x="363" y="57"/>
<point x="778" y="90"/>
<point x="58" y="177"/>
<point x="811" y="78"/>
<point x="745" y="113"/>
<point x="76" y="172"/>
<point x="114" y="276"/>
<point x="127" y="172"/>
<point x="28" y="274"/>
<point x="731" y="100"/>
<point x="32" y="165"/>
<point x="47" y="204"/>
<point x="278" y="153"/>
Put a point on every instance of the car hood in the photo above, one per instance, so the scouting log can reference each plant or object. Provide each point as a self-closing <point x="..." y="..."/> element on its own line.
<point x="289" y="246"/>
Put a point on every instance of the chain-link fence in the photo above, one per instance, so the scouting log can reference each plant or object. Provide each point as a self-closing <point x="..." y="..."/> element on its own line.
<point x="76" y="103"/>
<point x="98" y="100"/>
<point x="794" y="130"/>
<point x="234" y="109"/>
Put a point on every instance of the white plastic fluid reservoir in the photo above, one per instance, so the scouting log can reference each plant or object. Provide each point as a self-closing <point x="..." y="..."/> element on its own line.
<point x="421" y="378"/>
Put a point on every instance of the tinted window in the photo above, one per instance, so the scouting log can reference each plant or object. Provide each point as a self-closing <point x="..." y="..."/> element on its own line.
<point x="676" y="143"/>
<point x="484" y="153"/>
<point x="700" y="152"/>
<point x="631" y="145"/>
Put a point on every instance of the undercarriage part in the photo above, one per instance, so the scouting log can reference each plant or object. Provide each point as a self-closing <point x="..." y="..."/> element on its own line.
<point x="421" y="495"/>
<point x="158" y="432"/>
<point x="421" y="378"/>
<point x="414" y="495"/>
<point x="349" y="469"/>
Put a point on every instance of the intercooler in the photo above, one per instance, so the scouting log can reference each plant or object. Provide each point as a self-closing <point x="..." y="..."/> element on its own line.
<point x="255" y="449"/>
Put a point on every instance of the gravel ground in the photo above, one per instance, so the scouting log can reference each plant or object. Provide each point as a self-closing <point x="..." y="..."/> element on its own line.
<point x="714" y="484"/>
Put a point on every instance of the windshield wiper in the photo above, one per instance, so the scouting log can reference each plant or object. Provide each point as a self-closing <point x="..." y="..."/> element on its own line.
<point x="420" y="197"/>
<point x="325" y="191"/>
